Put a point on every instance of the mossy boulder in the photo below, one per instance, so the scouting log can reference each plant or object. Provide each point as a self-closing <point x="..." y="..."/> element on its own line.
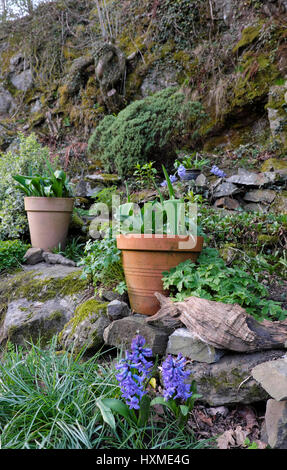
<point x="86" y="327"/>
<point x="36" y="303"/>
<point x="277" y="113"/>
<point x="280" y="204"/>
<point x="229" y="380"/>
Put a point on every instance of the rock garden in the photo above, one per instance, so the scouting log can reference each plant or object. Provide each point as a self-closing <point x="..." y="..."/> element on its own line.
<point x="143" y="266"/>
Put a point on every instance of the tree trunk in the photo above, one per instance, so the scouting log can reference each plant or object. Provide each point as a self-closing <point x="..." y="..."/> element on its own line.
<point x="224" y="326"/>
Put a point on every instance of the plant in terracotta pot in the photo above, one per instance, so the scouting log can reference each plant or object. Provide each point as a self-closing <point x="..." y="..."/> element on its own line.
<point x="49" y="204"/>
<point x="153" y="239"/>
<point x="190" y="167"/>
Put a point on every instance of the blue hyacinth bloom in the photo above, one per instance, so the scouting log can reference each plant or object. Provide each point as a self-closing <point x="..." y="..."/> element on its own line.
<point x="181" y="171"/>
<point x="172" y="178"/>
<point x="217" y="172"/>
<point x="174" y="377"/>
<point x="134" y="370"/>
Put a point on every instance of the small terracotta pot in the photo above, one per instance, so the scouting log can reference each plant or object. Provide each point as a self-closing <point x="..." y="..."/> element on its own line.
<point x="49" y="219"/>
<point x="144" y="260"/>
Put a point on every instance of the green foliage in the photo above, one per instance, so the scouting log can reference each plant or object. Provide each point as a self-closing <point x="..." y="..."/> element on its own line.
<point x="192" y="161"/>
<point x="145" y="175"/>
<point x="55" y="185"/>
<point x="102" y="260"/>
<point x="105" y="196"/>
<point x="144" y="128"/>
<point x="178" y="20"/>
<point x="30" y="157"/>
<point x="11" y="253"/>
<point x="165" y="217"/>
<point x="260" y="240"/>
<point x="212" y="279"/>
<point x="73" y="249"/>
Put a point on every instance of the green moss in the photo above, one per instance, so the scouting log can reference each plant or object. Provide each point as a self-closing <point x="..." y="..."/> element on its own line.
<point x="274" y="164"/>
<point x="258" y="74"/>
<point x="91" y="309"/>
<point x="28" y="286"/>
<point x="248" y="35"/>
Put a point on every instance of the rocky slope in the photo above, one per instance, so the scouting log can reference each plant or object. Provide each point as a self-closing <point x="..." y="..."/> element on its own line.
<point x="63" y="69"/>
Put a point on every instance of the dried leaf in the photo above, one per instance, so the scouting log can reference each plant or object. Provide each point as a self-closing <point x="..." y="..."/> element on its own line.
<point x="248" y="414"/>
<point x="226" y="440"/>
<point x="205" y="419"/>
<point x="240" y="435"/>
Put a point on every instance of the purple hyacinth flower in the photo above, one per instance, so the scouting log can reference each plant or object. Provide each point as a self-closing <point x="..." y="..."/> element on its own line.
<point x="134" y="370"/>
<point x="217" y="172"/>
<point x="174" y="377"/>
<point x="172" y="178"/>
<point x="181" y="171"/>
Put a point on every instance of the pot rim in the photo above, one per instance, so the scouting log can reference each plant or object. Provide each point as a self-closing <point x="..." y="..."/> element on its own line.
<point x="157" y="242"/>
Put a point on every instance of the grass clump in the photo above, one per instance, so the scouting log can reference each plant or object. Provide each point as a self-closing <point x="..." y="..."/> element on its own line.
<point x="48" y="400"/>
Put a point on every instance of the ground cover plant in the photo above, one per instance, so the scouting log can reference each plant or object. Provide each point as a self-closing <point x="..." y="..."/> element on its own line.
<point x="11" y="254"/>
<point x="51" y="399"/>
<point x="212" y="279"/>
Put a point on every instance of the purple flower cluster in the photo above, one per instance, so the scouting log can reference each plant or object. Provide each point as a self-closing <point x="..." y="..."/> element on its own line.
<point x="134" y="371"/>
<point x="174" y="376"/>
<point x="181" y="171"/>
<point x="217" y="172"/>
<point x="172" y="178"/>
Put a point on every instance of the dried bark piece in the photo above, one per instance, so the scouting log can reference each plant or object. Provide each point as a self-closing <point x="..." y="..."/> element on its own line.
<point x="224" y="326"/>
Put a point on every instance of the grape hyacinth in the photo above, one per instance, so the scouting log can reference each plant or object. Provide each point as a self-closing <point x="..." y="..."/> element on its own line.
<point x="217" y="172"/>
<point x="181" y="171"/>
<point x="134" y="371"/>
<point x="172" y="178"/>
<point x="174" y="376"/>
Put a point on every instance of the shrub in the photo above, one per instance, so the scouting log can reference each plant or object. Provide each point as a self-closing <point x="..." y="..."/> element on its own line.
<point x="31" y="156"/>
<point x="144" y="130"/>
<point x="11" y="253"/>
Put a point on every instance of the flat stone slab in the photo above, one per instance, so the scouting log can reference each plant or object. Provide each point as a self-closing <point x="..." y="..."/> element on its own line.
<point x="276" y="424"/>
<point x="225" y="189"/>
<point x="48" y="271"/>
<point x="121" y="332"/>
<point x="247" y="178"/>
<point x="272" y="376"/>
<point x="185" y="342"/>
<point x="260" y="195"/>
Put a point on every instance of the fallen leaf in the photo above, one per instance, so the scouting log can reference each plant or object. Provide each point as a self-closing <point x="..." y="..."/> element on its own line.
<point x="205" y="419"/>
<point x="240" y="435"/>
<point x="226" y="440"/>
<point x="248" y="414"/>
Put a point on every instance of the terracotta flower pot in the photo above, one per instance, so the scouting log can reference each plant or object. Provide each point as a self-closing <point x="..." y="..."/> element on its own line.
<point x="145" y="259"/>
<point x="49" y="219"/>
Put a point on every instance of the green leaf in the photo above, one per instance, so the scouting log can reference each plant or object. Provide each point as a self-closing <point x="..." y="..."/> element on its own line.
<point x="169" y="184"/>
<point x="118" y="406"/>
<point x="144" y="411"/>
<point x="106" y="413"/>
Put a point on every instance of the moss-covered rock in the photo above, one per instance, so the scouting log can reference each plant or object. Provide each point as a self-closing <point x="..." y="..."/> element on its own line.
<point x="86" y="327"/>
<point x="229" y="380"/>
<point x="36" y="303"/>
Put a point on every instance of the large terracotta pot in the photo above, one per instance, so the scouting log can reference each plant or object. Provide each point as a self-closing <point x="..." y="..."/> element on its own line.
<point x="145" y="259"/>
<point x="49" y="219"/>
